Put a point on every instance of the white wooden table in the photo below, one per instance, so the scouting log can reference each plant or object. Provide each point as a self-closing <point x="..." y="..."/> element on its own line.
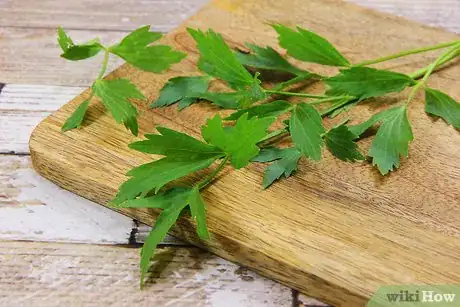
<point x="59" y="249"/>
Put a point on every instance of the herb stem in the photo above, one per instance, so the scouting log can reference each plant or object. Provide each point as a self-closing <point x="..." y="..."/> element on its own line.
<point x="104" y="64"/>
<point x="406" y="53"/>
<point x="273" y="135"/>
<point x="421" y="72"/>
<point x="290" y="82"/>
<point x="329" y="99"/>
<point x="295" y="94"/>
<point x="453" y="52"/>
<point x="335" y="107"/>
<point x="202" y="184"/>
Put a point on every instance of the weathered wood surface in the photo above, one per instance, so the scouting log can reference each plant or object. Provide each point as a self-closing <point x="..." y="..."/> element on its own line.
<point x="51" y="274"/>
<point x="333" y="225"/>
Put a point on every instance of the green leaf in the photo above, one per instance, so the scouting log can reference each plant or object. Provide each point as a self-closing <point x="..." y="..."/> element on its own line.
<point x="342" y="109"/>
<point x="268" y="154"/>
<point x="252" y="94"/>
<point x="392" y="139"/>
<point x="178" y="90"/>
<point x="83" y="51"/>
<point x="442" y="105"/>
<point x="164" y="222"/>
<point x="64" y="40"/>
<point x="287" y="164"/>
<point x="267" y="58"/>
<point x="225" y="100"/>
<point x="366" y="82"/>
<point x="218" y="60"/>
<point x="306" y="128"/>
<point x="114" y="95"/>
<point x="309" y="47"/>
<point x="274" y="108"/>
<point x="174" y="143"/>
<point x="135" y="50"/>
<point x="239" y="141"/>
<point x="76" y="119"/>
<point x="198" y="210"/>
<point x="159" y="201"/>
<point x="154" y="175"/>
<point x="339" y="141"/>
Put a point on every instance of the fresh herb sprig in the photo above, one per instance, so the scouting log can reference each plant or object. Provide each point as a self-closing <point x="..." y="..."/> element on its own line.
<point x="244" y="136"/>
<point x="115" y="94"/>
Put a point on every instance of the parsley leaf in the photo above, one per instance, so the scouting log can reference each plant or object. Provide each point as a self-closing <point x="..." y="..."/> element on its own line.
<point x="178" y="90"/>
<point x="392" y="139"/>
<point x="174" y="201"/>
<point x="198" y="210"/>
<point x="76" y="119"/>
<point x="135" y="50"/>
<point x="339" y="141"/>
<point x="287" y="163"/>
<point x="274" y="108"/>
<point x="82" y="51"/>
<point x="366" y="82"/>
<point x="442" y="105"/>
<point x="114" y="95"/>
<point x="306" y="129"/>
<point x="174" y="143"/>
<point x="268" y="154"/>
<point x="218" y="60"/>
<point x="309" y="47"/>
<point x="267" y="58"/>
<point x="225" y="100"/>
<point x="65" y="42"/>
<point x="239" y="141"/>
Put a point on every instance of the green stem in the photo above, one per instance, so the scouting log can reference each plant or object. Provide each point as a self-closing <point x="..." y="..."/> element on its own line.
<point x="335" y="107"/>
<point x="104" y="64"/>
<point x="421" y="72"/>
<point x="295" y="94"/>
<point x="293" y="81"/>
<point x="202" y="184"/>
<point x="448" y="55"/>
<point x="329" y="99"/>
<point x="406" y="53"/>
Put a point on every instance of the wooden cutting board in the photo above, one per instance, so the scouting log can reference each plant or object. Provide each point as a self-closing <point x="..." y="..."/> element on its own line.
<point x="335" y="231"/>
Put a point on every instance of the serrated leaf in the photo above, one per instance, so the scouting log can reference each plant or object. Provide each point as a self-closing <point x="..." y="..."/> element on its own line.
<point x="306" y="129"/>
<point x="252" y="94"/>
<point x="267" y="58"/>
<point x="135" y="50"/>
<point x="159" y="201"/>
<point x="274" y="108"/>
<point x="178" y="89"/>
<point x="239" y="141"/>
<point x="366" y="82"/>
<point x="114" y="94"/>
<point x="339" y="141"/>
<point x="153" y="176"/>
<point x="307" y="46"/>
<point x="268" y="154"/>
<point x="392" y="139"/>
<point x="225" y="100"/>
<point x="164" y="222"/>
<point x="198" y="210"/>
<point x="83" y="51"/>
<point x="174" y="143"/>
<point x="218" y="60"/>
<point x="65" y="42"/>
<point x="287" y="164"/>
<point x="76" y="119"/>
<point x="442" y="105"/>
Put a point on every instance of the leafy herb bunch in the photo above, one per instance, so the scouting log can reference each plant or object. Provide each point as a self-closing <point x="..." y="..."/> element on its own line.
<point x="244" y="136"/>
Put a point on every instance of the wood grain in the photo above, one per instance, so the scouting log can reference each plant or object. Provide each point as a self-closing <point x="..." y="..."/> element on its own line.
<point x="334" y="224"/>
<point x="50" y="274"/>
<point x="101" y="15"/>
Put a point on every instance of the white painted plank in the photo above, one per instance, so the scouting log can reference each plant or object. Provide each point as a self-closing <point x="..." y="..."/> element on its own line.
<point x="437" y="13"/>
<point x="22" y="107"/>
<point x="33" y="208"/>
<point x="99" y="15"/>
<point x="47" y="274"/>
